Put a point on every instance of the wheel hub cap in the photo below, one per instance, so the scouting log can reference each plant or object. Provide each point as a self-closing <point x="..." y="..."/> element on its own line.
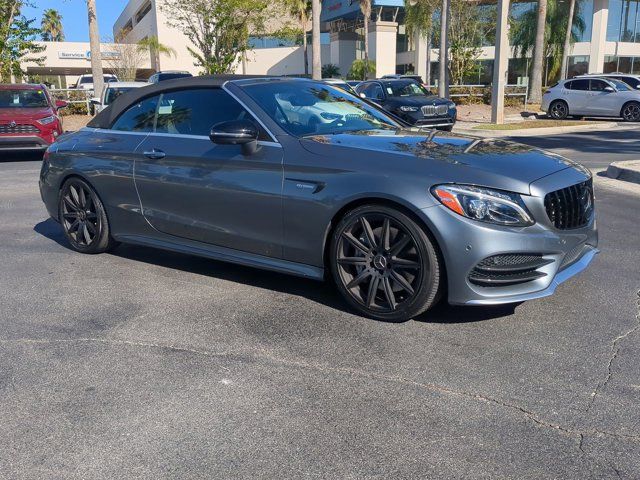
<point x="380" y="262"/>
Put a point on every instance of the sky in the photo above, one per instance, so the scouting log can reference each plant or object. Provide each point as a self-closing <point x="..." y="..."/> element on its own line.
<point x="74" y="16"/>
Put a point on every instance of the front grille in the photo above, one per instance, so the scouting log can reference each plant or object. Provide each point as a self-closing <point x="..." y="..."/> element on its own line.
<point x="508" y="269"/>
<point x="433" y="110"/>
<point x="20" y="128"/>
<point x="570" y="207"/>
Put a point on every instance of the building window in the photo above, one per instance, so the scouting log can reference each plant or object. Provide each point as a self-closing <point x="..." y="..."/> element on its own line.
<point x="614" y="63"/>
<point x="146" y="8"/>
<point x="577" y="65"/>
<point x="623" y="24"/>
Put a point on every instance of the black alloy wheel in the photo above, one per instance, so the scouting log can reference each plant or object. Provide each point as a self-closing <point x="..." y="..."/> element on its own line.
<point x="384" y="264"/>
<point x="83" y="217"/>
<point x="559" y="110"/>
<point x="631" y="112"/>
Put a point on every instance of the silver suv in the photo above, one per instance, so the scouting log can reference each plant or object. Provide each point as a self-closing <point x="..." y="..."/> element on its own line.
<point x="591" y="96"/>
<point x="630" y="79"/>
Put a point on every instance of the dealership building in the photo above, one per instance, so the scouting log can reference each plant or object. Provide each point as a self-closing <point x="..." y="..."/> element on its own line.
<point x="609" y="42"/>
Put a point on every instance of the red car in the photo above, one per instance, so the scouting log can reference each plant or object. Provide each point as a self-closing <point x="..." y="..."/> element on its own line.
<point x="29" y="117"/>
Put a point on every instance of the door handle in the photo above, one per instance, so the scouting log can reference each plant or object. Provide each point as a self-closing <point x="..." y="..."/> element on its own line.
<point x="154" y="154"/>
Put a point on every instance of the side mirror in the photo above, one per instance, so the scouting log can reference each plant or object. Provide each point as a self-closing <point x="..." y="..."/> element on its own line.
<point x="236" y="132"/>
<point x="61" y="104"/>
<point x="609" y="89"/>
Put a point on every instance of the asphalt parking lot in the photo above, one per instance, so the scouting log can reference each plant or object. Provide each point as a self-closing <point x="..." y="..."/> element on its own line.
<point x="148" y="364"/>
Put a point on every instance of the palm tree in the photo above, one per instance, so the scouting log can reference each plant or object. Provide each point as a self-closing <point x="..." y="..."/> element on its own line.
<point x="155" y="48"/>
<point x="94" y="43"/>
<point x="316" y="10"/>
<point x="535" y="86"/>
<point x="443" y="61"/>
<point x="523" y="34"/>
<point x="567" y="39"/>
<point x="51" y="26"/>
<point x="301" y="11"/>
<point x="365" y="8"/>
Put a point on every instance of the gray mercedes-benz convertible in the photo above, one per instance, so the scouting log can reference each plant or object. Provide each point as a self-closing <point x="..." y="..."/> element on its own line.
<point x="303" y="178"/>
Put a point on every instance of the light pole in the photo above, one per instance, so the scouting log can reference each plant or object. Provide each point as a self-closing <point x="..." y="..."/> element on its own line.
<point x="500" y="63"/>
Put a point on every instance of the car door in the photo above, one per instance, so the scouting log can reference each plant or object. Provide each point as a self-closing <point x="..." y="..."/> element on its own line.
<point x="602" y="102"/>
<point x="191" y="188"/>
<point x="576" y="94"/>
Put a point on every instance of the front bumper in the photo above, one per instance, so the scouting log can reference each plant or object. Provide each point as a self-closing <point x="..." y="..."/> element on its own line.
<point x="22" y="142"/>
<point x="465" y="243"/>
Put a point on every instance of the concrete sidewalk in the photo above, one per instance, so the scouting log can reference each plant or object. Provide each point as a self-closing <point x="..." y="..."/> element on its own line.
<point x="469" y="128"/>
<point x="628" y="171"/>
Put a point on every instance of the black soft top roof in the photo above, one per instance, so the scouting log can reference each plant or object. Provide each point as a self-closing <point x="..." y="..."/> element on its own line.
<point x="106" y="117"/>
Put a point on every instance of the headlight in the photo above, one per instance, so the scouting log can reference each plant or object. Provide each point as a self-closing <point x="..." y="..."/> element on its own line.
<point x="408" y="109"/>
<point x="483" y="204"/>
<point x="47" y="120"/>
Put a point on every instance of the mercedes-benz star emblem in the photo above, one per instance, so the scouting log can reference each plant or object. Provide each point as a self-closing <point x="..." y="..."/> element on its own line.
<point x="12" y="124"/>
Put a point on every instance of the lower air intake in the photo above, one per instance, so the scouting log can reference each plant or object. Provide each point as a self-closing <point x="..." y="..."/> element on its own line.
<point x="508" y="269"/>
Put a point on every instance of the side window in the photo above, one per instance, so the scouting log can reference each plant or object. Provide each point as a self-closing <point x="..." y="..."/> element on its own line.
<point x="598" y="85"/>
<point x="568" y="85"/>
<point x="195" y="111"/>
<point x="581" y="84"/>
<point x="138" y="118"/>
<point x="376" y="92"/>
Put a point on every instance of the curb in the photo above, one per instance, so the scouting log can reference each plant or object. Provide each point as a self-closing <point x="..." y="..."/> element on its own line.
<point x="543" y="131"/>
<point x="628" y="171"/>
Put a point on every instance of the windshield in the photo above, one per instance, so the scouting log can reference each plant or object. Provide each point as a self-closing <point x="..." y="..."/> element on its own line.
<point x="113" y="93"/>
<point x="308" y="108"/>
<point x="23" y="99"/>
<point x="620" y="86"/>
<point x="406" y="89"/>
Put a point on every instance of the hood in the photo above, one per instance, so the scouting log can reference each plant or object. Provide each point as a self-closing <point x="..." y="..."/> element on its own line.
<point x="19" y="114"/>
<point x="449" y="157"/>
<point x="419" y="101"/>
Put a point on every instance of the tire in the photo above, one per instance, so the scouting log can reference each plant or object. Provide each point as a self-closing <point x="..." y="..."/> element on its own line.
<point x="392" y="280"/>
<point x="83" y="218"/>
<point x="558" y="110"/>
<point x="631" y="112"/>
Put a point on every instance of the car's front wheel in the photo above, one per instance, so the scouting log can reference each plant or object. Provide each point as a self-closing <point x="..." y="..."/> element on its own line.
<point x="384" y="264"/>
<point x="631" y="112"/>
<point x="559" y="110"/>
<point x="83" y="217"/>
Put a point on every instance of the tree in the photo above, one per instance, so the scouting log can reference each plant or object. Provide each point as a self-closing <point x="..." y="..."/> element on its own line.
<point x="155" y="49"/>
<point x="51" y="26"/>
<point x="94" y="44"/>
<point x="535" y="86"/>
<point x="567" y="39"/>
<point x="219" y="31"/>
<point x="419" y="23"/>
<point x="330" y="70"/>
<point x="126" y="59"/>
<point x="443" y="60"/>
<point x="523" y="33"/>
<point x="17" y="39"/>
<point x="358" y="69"/>
<point x="301" y="11"/>
<point x="316" y="10"/>
<point x="365" y="8"/>
<point x="465" y="31"/>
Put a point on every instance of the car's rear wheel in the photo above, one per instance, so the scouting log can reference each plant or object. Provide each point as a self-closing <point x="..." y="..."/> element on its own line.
<point x="559" y="110"/>
<point x="631" y="112"/>
<point x="384" y="264"/>
<point x="83" y="217"/>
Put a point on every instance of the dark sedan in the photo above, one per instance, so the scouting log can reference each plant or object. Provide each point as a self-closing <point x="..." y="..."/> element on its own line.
<point x="410" y="101"/>
<point x="303" y="178"/>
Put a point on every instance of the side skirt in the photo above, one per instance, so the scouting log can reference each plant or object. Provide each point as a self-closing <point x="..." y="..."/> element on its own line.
<point x="227" y="255"/>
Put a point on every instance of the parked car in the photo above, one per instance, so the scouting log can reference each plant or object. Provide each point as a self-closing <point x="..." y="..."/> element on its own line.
<point x="397" y="218"/>
<point x="632" y="80"/>
<point x="110" y="92"/>
<point x="168" y="75"/>
<point x="592" y="97"/>
<point x="86" y="81"/>
<point x="337" y="82"/>
<point x="29" y="117"/>
<point x="411" y="102"/>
